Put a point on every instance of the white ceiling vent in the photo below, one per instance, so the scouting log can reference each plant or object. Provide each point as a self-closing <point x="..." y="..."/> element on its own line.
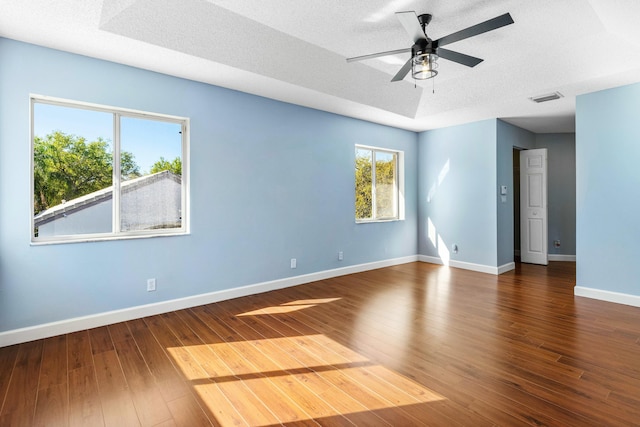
<point x="548" y="97"/>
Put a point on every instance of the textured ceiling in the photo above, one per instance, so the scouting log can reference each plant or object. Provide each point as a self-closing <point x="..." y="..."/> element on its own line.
<point x="295" y="51"/>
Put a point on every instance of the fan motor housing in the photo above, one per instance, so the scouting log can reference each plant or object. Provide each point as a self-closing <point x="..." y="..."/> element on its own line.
<point x="422" y="47"/>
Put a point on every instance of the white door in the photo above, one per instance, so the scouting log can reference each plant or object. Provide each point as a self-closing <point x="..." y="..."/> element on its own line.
<point x="533" y="206"/>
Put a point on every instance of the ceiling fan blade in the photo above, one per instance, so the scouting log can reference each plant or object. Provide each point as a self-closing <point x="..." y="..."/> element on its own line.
<point x="460" y="58"/>
<point x="377" y="55"/>
<point x="403" y="71"/>
<point x="409" y="21"/>
<point x="480" y="28"/>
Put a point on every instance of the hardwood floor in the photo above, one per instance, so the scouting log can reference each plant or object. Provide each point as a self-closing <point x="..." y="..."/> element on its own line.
<point x="415" y="344"/>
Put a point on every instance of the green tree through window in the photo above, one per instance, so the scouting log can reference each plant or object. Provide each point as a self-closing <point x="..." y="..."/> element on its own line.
<point x="174" y="166"/>
<point x="376" y="189"/>
<point x="66" y="167"/>
<point x="364" y="198"/>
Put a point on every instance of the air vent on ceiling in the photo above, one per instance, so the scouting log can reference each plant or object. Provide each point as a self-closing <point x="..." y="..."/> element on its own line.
<point x="548" y="97"/>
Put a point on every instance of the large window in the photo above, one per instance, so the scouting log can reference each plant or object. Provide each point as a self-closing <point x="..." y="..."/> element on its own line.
<point x="101" y="172"/>
<point x="378" y="184"/>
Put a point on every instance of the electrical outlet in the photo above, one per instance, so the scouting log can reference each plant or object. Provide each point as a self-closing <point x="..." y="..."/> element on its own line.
<point x="293" y="263"/>
<point x="556" y="243"/>
<point x="151" y="285"/>
<point x="340" y="256"/>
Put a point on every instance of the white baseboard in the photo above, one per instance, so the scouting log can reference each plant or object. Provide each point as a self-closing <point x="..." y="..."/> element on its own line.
<point x="506" y="267"/>
<point x="66" y="326"/>
<point x="599" y="294"/>
<point x="558" y="257"/>
<point x="430" y="259"/>
<point x="470" y="266"/>
<point x="553" y="257"/>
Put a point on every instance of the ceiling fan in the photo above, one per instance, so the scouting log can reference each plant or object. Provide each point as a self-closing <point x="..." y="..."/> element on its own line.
<point x="425" y="52"/>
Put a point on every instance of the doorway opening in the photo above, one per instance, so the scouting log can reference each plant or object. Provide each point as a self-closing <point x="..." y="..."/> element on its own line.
<point x="516" y="203"/>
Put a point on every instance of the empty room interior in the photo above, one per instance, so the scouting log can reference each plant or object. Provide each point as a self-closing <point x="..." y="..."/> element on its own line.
<point x="366" y="213"/>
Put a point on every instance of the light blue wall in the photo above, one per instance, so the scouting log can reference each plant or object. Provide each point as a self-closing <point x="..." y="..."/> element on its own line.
<point x="269" y="181"/>
<point x="456" y="187"/>
<point x="561" y="152"/>
<point x="607" y="187"/>
<point x="509" y="136"/>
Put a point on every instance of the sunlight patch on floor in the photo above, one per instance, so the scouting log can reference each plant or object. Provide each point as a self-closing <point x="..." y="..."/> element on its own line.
<point x="314" y="301"/>
<point x="280" y="309"/>
<point x="274" y="375"/>
<point x="289" y="307"/>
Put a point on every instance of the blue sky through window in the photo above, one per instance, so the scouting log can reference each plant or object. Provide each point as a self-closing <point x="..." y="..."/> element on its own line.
<point x="148" y="140"/>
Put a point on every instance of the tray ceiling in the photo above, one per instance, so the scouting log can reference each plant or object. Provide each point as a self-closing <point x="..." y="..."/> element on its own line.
<point x="295" y="52"/>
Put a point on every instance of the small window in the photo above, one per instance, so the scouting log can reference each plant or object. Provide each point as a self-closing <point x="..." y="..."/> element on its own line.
<point x="101" y="172"/>
<point x="378" y="184"/>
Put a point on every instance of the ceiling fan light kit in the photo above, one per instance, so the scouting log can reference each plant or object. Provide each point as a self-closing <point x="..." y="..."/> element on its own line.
<point x="426" y="52"/>
<point x="424" y="66"/>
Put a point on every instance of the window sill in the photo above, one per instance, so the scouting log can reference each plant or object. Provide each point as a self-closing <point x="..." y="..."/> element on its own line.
<point x="373" y="221"/>
<point x="88" y="239"/>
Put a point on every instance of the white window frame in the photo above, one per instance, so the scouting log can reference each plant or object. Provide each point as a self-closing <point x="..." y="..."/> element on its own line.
<point x="399" y="202"/>
<point x="116" y="233"/>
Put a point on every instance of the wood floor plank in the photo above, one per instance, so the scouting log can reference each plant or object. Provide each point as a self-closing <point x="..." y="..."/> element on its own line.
<point x="167" y="379"/>
<point x="79" y="353"/>
<point x="85" y="408"/>
<point x="8" y="356"/>
<point x="149" y="403"/>
<point x="209" y="361"/>
<point x="52" y="407"/>
<point x="53" y="370"/>
<point x="20" y="402"/>
<point x="84" y="399"/>
<point x="100" y="340"/>
<point x="200" y="365"/>
<point x="187" y="412"/>
<point x="219" y="405"/>
<point x="52" y="404"/>
<point x="115" y="397"/>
